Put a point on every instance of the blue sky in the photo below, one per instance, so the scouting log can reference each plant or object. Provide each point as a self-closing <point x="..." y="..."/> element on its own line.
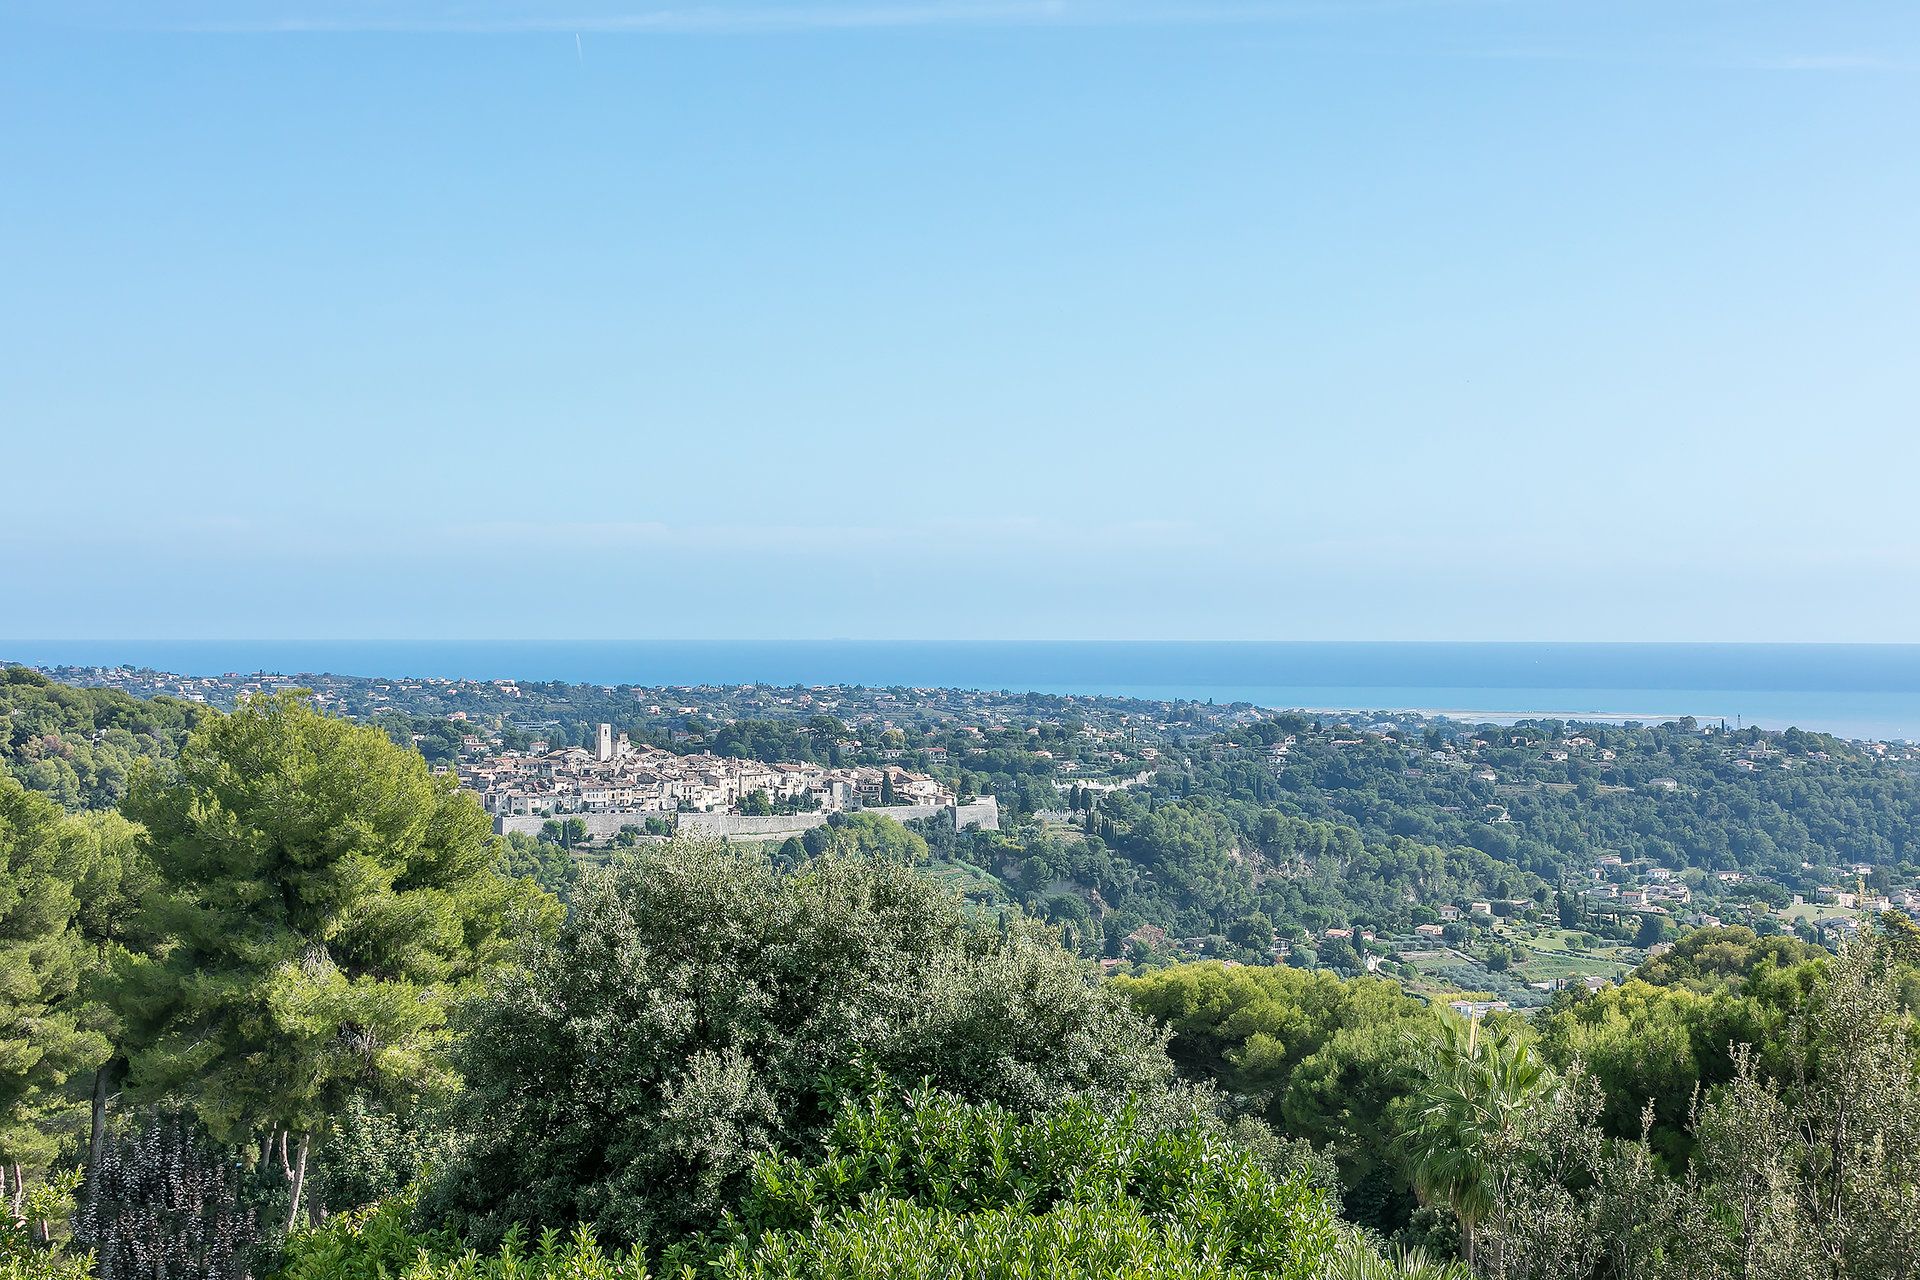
<point x="1535" y="319"/>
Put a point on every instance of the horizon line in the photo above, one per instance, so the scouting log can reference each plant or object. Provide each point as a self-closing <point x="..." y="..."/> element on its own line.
<point x="965" y="640"/>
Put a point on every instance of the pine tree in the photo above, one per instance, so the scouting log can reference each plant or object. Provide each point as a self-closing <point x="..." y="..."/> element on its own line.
<point x="44" y="1036"/>
<point x="110" y="876"/>
<point x="324" y="898"/>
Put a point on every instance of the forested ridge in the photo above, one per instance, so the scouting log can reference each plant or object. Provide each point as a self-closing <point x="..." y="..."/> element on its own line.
<point x="1296" y="828"/>
<point x="1797" y="797"/>
<point x="1152" y="831"/>
<point x="1198" y="867"/>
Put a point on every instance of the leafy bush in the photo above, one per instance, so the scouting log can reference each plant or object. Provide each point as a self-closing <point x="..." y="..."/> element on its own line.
<point x="377" y="1241"/>
<point x="377" y="1244"/>
<point x="943" y="1187"/>
<point x="22" y="1257"/>
<point x="932" y="1187"/>
<point x="941" y="1151"/>
<point x="700" y="1009"/>
<point x="373" y="1154"/>
<point x="892" y="1240"/>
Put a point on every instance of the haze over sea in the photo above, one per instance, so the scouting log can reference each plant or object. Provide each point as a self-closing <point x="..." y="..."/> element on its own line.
<point x="1860" y="691"/>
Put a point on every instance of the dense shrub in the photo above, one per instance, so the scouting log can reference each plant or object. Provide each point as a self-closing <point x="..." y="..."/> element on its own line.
<point x="701" y="1009"/>
<point x="892" y="1240"/>
<point x="937" y="1187"/>
<point x="942" y="1187"/>
<point x="373" y="1154"/>
<point x="379" y="1243"/>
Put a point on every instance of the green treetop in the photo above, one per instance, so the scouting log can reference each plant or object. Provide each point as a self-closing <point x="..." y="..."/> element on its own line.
<point x="699" y="1009"/>
<point x="44" y="1036"/>
<point x="322" y="899"/>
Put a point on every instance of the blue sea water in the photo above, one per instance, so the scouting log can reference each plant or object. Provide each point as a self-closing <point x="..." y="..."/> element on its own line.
<point x="1864" y="691"/>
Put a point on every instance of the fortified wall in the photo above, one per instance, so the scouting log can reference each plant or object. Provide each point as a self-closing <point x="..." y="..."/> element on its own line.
<point x="983" y="813"/>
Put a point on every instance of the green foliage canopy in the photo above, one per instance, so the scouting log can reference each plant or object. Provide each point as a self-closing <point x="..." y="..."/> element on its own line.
<point x="1316" y="1057"/>
<point x="323" y="900"/>
<point x="44" y="1031"/>
<point x="700" y="1009"/>
<point x="940" y="1188"/>
<point x="81" y="746"/>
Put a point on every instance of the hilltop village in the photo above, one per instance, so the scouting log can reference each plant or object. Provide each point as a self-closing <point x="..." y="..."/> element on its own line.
<point x="617" y="786"/>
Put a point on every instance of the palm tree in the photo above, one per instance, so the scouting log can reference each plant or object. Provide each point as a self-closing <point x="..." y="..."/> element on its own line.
<point x="1357" y="1257"/>
<point x="1468" y="1115"/>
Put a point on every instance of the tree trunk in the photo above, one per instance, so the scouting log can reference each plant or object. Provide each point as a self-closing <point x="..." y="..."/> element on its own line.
<point x="316" y="1200"/>
<point x="19" y="1193"/>
<point x="97" y="1136"/>
<point x="299" y="1180"/>
<point x="1837" y="1248"/>
<point x="286" y="1166"/>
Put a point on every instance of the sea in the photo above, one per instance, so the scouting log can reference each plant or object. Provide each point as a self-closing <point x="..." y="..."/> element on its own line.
<point x="1852" y="690"/>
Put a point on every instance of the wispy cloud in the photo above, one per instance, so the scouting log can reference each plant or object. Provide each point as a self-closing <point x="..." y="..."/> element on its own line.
<point x="763" y="17"/>
<point x="1668" y="58"/>
<point x="1831" y="62"/>
<point x="772" y="17"/>
<point x="918" y="537"/>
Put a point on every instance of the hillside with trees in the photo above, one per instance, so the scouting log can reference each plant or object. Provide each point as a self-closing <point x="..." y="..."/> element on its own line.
<point x="80" y="746"/>
<point x="1677" y="794"/>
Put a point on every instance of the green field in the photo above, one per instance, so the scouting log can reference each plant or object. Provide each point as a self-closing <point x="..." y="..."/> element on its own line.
<point x="1548" y="954"/>
<point x="1541" y="966"/>
<point x="1811" y="911"/>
